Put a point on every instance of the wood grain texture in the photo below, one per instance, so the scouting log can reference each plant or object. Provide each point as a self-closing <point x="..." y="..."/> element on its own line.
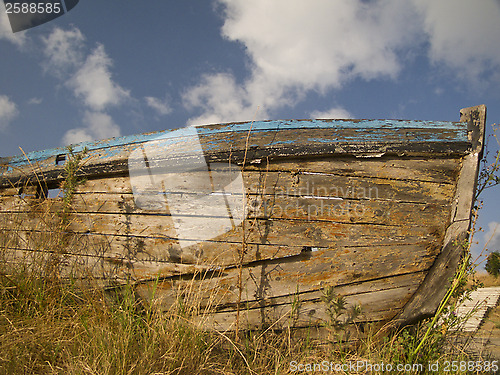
<point x="271" y="139"/>
<point x="426" y="300"/>
<point x="364" y="206"/>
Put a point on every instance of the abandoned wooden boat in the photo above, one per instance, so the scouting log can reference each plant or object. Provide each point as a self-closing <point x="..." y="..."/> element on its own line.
<point x="254" y="220"/>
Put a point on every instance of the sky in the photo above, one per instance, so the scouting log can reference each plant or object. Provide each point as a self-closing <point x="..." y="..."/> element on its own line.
<point x="111" y="68"/>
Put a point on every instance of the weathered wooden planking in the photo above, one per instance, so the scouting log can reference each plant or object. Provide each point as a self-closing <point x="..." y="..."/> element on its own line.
<point x="388" y="260"/>
<point x="346" y="131"/>
<point x="275" y="279"/>
<point x="122" y="248"/>
<point x="380" y="299"/>
<point x="367" y="294"/>
<point x="267" y="139"/>
<point x="380" y="305"/>
<point x="65" y="266"/>
<point x="258" y="231"/>
<point x="373" y="211"/>
<point x="418" y="169"/>
<point x="214" y="290"/>
<point x="269" y="287"/>
<point x="284" y="184"/>
<point x="426" y="300"/>
<point x="284" y="195"/>
<point x="303" y="184"/>
<point x="257" y="206"/>
<point x="8" y="192"/>
<point x="124" y="219"/>
<point x="425" y="170"/>
<point x="333" y="251"/>
<point x="441" y="170"/>
<point x="389" y="280"/>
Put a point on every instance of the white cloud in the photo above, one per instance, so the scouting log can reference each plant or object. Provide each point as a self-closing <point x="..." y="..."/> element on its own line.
<point x="493" y="236"/>
<point x="439" y="91"/>
<point x="77" y="135"/>
<point x="161" y="107"/>
<point x="8" y="110"/>
<point x="63" y="50"/>
<point x="319" y="44"/>
<point x="99" y="125"/>
<point x="296" y="46"/>
<point x="35" y="101"/>
<point x="463" y="34"/>
<point x="89" y="77"/>
<point x="220" y="99"/>
<point x="332" y="113"/>
<point x="19" y="38"/>
<point x="93" y="83"/>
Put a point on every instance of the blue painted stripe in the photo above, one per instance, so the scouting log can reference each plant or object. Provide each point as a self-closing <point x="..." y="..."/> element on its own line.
<point x="335" y="124"/>
<point x="458" y="128"/>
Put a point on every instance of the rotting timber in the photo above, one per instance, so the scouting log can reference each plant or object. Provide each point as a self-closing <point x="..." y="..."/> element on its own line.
<point x="378" y="209"/>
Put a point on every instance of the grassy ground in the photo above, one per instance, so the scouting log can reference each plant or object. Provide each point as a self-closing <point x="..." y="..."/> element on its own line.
<point x="487" y="280"/>
<point x="50" y="326"/>
<point x="47" y="327"/>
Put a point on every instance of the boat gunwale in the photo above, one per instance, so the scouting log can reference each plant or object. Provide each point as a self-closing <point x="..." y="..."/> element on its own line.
<point x="237" y="127"/>
<point x="109" y="157"/>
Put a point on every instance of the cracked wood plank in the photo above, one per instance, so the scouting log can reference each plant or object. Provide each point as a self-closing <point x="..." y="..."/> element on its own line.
<point x="381" y="255"/>
<point x="267" y="139"/>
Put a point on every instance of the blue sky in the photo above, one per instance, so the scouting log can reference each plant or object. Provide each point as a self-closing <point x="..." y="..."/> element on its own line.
<point x="110" y="68"/>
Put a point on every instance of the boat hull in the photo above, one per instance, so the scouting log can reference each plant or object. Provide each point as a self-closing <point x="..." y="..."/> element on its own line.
<point x="257" y="229"/>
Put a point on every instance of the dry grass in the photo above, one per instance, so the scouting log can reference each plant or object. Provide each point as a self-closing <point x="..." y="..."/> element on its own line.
<point x="487" y="280"/>
<point x="50" y="327"/>
<point x="50" y="324"/>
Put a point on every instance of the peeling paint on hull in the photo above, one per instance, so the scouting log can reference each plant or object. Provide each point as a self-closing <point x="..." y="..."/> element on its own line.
<point x="371" y="207"/>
